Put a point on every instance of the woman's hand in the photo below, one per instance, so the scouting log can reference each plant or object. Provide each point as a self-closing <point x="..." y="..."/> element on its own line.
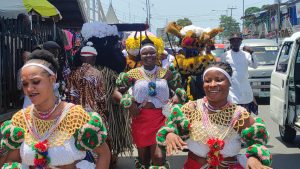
<point x="134" y="110"/>
<point x="173" y="143"/>
<point x="254" y="163"/>
<point x="175" y="100"/>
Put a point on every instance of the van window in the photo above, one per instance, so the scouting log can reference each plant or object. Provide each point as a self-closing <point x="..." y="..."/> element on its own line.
<point x="266" y="55"/>
<point x="284" y="57"/>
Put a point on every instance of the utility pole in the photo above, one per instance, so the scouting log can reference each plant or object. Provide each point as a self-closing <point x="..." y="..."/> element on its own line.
<point x="243" y="26"/>
<point x="149" y="15"/>
<point x="147" y="19"/>
<point x="279" y="20"/>
<point x="232" y="8"/>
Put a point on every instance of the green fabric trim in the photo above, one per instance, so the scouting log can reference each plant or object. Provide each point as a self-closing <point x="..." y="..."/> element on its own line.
<point x="181" y="93"/>
<point x="124" y="80"/>
<point x="256" y="134"/>
<point x="165" y="166"/>
<point x="176" y="123"/>
<point x="126" y="101"/>
<point x="261" y="152"/>
<point x="176" y="77"/>
<point x="92" y="134"/>
<point x="12" y="136"/>
<point x="14" y="165"/>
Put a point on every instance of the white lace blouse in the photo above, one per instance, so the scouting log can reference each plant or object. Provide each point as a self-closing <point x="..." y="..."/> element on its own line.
<point x="60" y="155"/>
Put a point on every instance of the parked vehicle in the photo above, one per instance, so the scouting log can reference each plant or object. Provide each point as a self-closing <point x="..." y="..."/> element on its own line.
<point x="285" y="88"/>
<point x="219" y="50"/>
<point x="266" y="51"/>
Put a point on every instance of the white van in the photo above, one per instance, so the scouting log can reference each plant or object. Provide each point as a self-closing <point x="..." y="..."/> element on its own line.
<point x="266" y="51"/>
<point x="285" y="88"/>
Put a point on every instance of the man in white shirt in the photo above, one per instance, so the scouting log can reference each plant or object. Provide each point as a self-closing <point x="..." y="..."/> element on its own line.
<point x="166" y="59"/>
<point x="240" y="90"/>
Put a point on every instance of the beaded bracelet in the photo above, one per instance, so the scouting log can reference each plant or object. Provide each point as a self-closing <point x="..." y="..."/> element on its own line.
<point x="126" y="101"/>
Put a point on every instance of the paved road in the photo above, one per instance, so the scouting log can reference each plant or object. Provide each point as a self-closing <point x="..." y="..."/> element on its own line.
<point x="285" y="156"/>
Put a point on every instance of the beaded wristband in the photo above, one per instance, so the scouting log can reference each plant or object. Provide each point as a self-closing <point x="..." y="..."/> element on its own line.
<point x="126" y="101"/>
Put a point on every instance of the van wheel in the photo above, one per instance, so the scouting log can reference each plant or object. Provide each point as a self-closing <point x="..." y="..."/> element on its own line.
<point x="287" y="133"/>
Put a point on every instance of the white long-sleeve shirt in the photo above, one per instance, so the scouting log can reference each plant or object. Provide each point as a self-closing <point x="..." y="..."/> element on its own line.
<point x="240" y="90"/>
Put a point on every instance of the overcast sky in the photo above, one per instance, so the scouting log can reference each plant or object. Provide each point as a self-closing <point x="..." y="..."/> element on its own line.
<point x="199" y="11"/>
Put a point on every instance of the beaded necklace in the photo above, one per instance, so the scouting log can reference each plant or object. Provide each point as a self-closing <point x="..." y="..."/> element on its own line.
<point x="211" y="108"/>
<point x="32" y="125"/>
<point x="47" y="114"/>
<point x="152" y="83"/>
<point x="215" y="143"/>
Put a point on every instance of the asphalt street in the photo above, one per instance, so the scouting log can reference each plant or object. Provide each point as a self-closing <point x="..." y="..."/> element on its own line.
<point x="285" y="156"/>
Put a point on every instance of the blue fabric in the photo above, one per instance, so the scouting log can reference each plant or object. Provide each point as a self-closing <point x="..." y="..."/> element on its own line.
<point x="293" y="15"/>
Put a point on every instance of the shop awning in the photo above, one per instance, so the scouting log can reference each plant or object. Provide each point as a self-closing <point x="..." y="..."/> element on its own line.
<point x="12" y="8"/>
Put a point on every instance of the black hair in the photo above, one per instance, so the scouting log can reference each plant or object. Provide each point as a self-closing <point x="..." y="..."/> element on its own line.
<point x="147" y="41"/>
<point x="22" y="16"/>
<point x="45" y="56"/>
<point x="109" y="53"/>
<point x="223" y="65"/>
<point x="75" y="61"/>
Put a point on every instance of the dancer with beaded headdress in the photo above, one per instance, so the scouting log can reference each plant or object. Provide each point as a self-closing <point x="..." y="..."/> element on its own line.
<point x="212" y="128"/>
<point x="51" y="133"/>
<point x="192" y="60"/>
<point x="148" y="102"/>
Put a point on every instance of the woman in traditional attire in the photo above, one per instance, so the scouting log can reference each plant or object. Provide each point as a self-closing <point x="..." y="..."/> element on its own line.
<point x="148" y="102"/>
<point x="212" y="128"/>
<point x="51" y="133"/>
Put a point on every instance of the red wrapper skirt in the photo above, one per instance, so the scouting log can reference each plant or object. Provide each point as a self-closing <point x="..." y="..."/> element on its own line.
<point x="145" y="126"/>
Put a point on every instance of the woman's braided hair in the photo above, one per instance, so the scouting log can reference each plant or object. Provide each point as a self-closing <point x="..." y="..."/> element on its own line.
<point x="223" y="65"/>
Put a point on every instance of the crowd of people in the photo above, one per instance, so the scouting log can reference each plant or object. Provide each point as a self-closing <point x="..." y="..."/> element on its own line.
<point x="101" y="106"/>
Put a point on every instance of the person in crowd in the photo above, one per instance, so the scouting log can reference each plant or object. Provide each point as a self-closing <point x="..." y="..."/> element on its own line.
<point x="24" y="55"/>
<point x="85" y="84"/>
<point x="167" y="59"/>
<point x="240" y="89"/>
<point x="110" y="62"/>
<point x="51" y="133"/>
<point x="52" y="47"/>
<point x="212" y="128"/>
<point x="148" y="103"/>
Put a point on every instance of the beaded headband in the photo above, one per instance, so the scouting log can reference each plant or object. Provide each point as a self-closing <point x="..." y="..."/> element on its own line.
<point x="41" y="66"/>
<point x="220" y="70"/>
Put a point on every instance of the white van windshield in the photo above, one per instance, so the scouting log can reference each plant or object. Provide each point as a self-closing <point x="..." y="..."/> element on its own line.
<point x="266" y="55"/>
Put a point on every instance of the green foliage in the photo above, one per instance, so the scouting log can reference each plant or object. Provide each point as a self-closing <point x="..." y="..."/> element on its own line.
<point x="230" y="26"/>
<point x="264" y="7"/>
<point x="184" y="22"/>
<point x="249" y="11"/>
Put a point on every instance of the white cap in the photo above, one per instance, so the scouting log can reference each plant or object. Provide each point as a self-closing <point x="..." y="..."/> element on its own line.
<point x="88" y="50"/>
